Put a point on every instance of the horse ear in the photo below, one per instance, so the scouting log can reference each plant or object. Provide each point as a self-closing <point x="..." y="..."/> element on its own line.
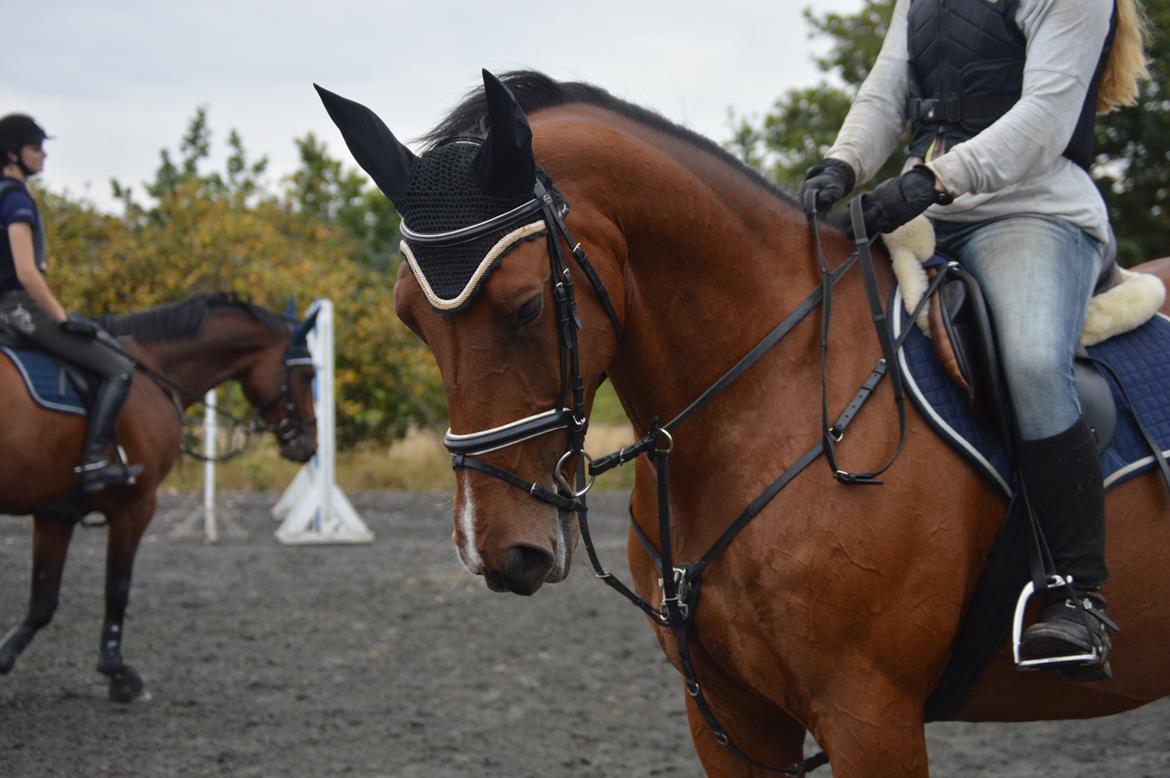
<point x="290" y="308"/>
<point x="372" y="144"/>
<point x="504" y="164"/>
<point x="302" y="330"/>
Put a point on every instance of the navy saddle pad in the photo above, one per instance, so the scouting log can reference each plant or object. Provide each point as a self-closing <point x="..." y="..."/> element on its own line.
<point x="1140" y="358"/>
<point x="48" y="383"/>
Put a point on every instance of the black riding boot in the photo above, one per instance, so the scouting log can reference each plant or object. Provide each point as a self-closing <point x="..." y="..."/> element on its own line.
<point x="1062" y="478"/>
<point x="96" y="471"/>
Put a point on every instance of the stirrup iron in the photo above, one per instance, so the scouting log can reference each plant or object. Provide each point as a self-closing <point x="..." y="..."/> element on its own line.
<point x="1068" y="661"/>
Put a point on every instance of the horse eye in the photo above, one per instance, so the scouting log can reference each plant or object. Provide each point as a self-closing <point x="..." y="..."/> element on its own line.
<point x="529" y="310"/>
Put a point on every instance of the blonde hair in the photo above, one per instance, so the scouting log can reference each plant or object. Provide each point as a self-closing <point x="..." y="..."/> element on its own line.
<point x="1127" y="64"/>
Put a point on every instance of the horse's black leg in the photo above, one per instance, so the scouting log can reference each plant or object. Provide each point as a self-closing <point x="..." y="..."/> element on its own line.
<point x="51" y="537"/>
<point x="125" y="531"/>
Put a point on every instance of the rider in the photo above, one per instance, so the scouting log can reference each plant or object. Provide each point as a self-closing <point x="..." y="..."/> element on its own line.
<point x="28" y="306"/>
<point x="1001" y="98"/>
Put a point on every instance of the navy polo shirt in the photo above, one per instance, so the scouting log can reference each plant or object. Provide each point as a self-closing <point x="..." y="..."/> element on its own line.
<point x="17" y="206"/>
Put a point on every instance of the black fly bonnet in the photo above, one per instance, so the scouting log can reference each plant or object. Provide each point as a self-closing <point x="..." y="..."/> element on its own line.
<point x="464" y="206"/>
<point x="454" y="233"/>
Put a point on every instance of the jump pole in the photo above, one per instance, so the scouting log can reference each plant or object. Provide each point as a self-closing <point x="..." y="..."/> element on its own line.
<point x="210" y="529"/>
<point x="313" y="510"/>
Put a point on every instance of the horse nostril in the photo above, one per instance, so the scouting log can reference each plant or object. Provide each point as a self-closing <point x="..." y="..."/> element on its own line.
<point x="527" y="567"/>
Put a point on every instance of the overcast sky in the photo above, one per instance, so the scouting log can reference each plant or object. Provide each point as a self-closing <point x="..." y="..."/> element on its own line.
<point x="116" y="80"/>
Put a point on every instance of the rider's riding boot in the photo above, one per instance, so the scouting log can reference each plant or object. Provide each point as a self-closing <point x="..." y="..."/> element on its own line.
<point x="1062" y="479"/>
<point x="96" y="471"/>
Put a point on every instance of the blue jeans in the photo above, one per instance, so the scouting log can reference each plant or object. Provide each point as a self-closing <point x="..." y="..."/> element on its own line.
<point x="1037" y="275"/>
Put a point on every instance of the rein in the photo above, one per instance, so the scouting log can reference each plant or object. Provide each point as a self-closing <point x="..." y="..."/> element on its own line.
<point x="680" y="582"/>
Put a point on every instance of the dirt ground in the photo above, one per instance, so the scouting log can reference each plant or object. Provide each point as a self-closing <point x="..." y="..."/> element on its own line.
<point x="389" y="660"/>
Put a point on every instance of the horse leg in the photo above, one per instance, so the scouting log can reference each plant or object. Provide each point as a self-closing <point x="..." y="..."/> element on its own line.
<point x="126" y="526"/>
<point x="51" y="536"/>
<point x="871" y="729"/>
<point x="762" y="732"/>
<point x="766" y="736"/>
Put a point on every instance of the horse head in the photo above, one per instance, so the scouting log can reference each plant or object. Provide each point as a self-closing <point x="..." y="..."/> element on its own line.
<point x="282" y="393"/>
<point x="487" y="286"/>
<point x="199" y="343"/>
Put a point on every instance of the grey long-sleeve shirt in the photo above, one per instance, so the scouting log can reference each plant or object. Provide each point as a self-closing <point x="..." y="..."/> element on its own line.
<point x="1016" y="166"/>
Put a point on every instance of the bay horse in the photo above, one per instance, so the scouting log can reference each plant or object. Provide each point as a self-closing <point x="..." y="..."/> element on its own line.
<point x="182" y="349"/>
<point x="835" y="610"/>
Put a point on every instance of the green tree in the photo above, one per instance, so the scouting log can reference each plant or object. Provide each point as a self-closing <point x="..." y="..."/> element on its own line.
<point x="803" y="122"/>
<point x="1133" y="156"/>
<point x="203" y="230"/>
<point x="321" y="187"/>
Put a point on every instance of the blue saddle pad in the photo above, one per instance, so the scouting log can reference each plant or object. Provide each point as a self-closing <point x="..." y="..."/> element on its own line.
<point x="47" y="382"/>
<point x="1140" y="358"/>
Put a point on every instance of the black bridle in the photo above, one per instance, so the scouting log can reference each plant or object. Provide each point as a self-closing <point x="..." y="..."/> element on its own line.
<point x="569" y="413"/>
<point x="680" y="582"/>
<point x="292" y="424"/>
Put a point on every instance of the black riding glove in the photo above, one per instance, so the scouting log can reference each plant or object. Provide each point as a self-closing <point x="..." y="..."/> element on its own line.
<point x="77" y="324"/>
<point x="896" y="201"/>
<point x="831" y="179"/>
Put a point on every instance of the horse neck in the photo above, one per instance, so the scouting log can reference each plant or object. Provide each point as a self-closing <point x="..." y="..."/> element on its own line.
<point x="713" y="261"/>
<point x="227" y="345"/>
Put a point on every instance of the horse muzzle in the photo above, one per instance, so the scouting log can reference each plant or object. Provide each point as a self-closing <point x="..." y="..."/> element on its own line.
<point x="525" y="569"/>
<point x="299" y="449"/>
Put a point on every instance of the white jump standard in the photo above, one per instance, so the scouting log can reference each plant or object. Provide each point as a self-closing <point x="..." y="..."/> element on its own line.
<point x="312" y="508"/>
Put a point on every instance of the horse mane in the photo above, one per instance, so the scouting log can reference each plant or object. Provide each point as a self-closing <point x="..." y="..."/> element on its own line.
<point x="184" y="318"/>
<point x="535" y="91"/>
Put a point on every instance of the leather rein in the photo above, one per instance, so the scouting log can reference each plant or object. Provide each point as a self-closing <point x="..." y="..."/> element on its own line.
<point x="680" y="582"/>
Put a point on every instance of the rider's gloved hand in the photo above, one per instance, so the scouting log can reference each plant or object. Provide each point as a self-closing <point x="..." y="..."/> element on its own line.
<point x="896" y="201"/>
<point x="831" y="179"/>
<point x="77" y="324"/>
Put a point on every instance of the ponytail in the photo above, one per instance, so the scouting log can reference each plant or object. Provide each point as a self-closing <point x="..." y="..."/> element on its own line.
<point x="1127" y="64"/>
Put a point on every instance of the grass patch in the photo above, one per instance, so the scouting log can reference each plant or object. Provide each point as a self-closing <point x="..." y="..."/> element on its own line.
<point x="607" y="409"/>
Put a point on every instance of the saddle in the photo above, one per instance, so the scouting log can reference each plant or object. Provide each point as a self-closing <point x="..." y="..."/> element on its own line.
<point x="964" y="337"/>
<point x="1124" y="340"/>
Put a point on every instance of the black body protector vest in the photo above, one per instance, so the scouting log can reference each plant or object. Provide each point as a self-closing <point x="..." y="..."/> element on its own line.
<point x="967" y="70"/>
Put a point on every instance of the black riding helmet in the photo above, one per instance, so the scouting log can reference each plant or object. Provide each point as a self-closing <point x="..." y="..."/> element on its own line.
<point x="18" y="130"/>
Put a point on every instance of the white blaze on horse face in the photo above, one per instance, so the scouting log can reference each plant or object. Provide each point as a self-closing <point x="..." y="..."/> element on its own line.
<point x="562" y="550"/>
<point x="467" y="552"/>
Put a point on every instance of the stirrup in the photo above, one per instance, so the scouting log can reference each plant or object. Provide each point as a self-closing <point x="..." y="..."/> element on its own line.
<point x="105" y="473"/>
<point x="1090" y="658"/>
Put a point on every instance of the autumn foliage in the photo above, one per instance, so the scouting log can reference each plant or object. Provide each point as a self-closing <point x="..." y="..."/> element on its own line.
<point x="322" y="232"/>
